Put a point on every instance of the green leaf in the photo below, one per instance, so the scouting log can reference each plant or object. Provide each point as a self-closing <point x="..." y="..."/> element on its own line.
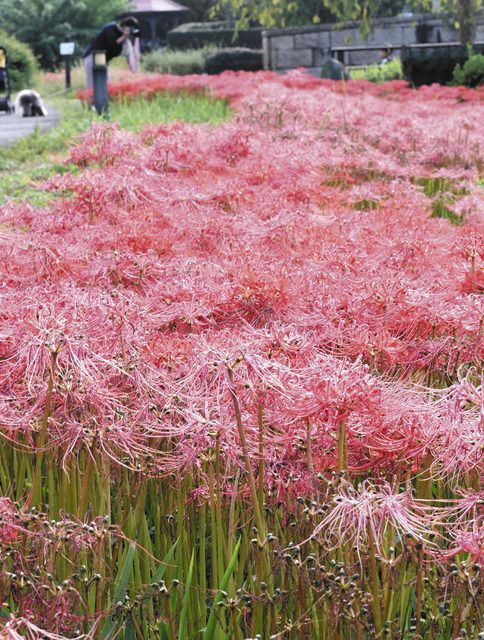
<point x="160" y="572"/>
<point x="157" y="576"/>
<point x="209" y="633"/>
<point x="122" y="583"/>
<point x="129" y="633"/>
<point x="182" y="630"/>
<point x="4" y="612"/>
<point x="163" y="633"/>
<point x="109" y="627"/>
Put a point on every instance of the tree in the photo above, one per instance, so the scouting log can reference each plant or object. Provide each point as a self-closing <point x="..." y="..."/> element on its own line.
<point x="268" y="13"/>
<point x="199" y="10"/>
<point x="44" y="24"/>
<point x="463" y="13"/>
<point x="280" y="13"/>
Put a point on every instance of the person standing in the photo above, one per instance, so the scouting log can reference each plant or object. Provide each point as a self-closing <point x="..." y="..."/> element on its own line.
<point x="113" y="38"/>
<point x="385" y="54"/>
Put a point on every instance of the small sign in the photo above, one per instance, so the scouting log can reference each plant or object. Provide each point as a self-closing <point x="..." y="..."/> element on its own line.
<point x="67" y="48"/>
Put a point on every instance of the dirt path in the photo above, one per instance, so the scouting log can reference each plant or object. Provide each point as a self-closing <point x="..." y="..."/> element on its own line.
<point x="12" y="127"/>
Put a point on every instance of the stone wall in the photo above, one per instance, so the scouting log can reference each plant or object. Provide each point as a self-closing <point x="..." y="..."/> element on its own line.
<point x="286" y="49"/>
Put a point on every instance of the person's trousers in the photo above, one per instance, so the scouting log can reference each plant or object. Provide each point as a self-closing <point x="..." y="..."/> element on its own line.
<point x="88" y="61"/>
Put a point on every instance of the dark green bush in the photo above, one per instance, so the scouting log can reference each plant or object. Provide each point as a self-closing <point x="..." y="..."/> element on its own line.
<point x="21" y="62"/>
<point x="237" y="59"/>
<point x="471" y="73"/>
<point x="426" y="65"/>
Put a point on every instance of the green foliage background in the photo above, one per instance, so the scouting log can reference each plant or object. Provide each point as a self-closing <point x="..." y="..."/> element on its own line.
<point x="281" y="13"/>
<point x="21" y="62"/>
<point x="471" y="73"/>
<point x="44" y="24"/>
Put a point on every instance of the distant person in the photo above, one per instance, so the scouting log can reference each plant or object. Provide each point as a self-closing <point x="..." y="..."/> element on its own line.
<point x="385" y="54"/>
<point x="113" y="38"/>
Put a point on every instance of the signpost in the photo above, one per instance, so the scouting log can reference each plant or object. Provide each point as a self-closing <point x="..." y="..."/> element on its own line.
<point x="66" y="50"/>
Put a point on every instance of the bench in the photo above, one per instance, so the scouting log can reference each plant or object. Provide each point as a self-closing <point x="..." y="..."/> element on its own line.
<point x="343" y="54"/>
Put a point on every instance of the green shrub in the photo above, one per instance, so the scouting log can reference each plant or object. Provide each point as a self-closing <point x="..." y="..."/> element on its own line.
<point x="471" y="73"/>
<point x="428" y="64"/>
<point x="21" y="62"/>
<point x="385" y="72"/>
<point x="235" y="59"/>
<point x="379" y="72"/>
<point x="176" y="62"/>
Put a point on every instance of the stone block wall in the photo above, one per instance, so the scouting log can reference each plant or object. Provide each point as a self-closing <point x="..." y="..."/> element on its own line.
<point x="286" y="49"/>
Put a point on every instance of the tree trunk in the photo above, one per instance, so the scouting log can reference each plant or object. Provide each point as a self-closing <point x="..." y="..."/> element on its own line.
<point x="466" y="21"/>
<point x="230" y="18"/>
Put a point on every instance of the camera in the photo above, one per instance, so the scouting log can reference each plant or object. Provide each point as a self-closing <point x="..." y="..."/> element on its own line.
<point x="134" y="31"/>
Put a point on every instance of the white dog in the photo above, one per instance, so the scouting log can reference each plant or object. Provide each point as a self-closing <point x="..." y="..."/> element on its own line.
<point x="28" y="103"/>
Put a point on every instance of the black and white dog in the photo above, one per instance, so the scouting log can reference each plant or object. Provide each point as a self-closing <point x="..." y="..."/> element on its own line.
<point x="28" y="103"/>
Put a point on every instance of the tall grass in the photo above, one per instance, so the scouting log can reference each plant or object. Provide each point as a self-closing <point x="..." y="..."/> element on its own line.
<point x="177" y="62"/>
<point x="198" y="108"/>
<point x="212" y="572"/>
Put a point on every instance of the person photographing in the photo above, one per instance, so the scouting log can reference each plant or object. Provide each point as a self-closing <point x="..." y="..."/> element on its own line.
<point x="113" y="38"/>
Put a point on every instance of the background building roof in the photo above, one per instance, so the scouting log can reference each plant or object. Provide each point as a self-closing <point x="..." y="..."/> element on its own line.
<point x="155" y="5"/>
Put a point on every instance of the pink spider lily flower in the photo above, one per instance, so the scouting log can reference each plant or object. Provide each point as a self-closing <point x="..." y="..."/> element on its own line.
<point x="353" y="514"/>
<point x="9" y="522"/>
<point x="469" y="541"/>
<point x="24" y="628"/>
<point x="458" y="445"/>
<point x="466" y="392"/>
<point x="464" y="511"/>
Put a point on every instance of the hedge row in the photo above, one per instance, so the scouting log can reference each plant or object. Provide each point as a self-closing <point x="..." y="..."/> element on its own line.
<point x="427" y="65"/>
<point x="208" y="60"/>
<point x="192" y="36"/>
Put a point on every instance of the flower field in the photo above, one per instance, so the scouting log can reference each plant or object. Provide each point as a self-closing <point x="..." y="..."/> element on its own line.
<point x="241" y="372"/>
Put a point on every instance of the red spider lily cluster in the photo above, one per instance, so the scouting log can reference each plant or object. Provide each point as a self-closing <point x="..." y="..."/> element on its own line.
<point x="184" y="252"/>
<point x="277" y="283"/>
<point x="228" y="85"/>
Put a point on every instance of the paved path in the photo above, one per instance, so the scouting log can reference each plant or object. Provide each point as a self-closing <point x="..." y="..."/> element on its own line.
<point x="13" y="127"/>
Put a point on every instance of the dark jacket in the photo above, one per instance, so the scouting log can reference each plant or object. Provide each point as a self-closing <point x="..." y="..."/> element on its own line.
<point x="105" y="40"/>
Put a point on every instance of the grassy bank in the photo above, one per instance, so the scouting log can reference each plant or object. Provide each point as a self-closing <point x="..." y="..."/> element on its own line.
<point x="24" y="165"/>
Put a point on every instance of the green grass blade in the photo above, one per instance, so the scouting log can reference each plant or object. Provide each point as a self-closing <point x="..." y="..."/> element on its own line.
<point x="160" y="572"/>
<point x="182" y="630"/>
<point x="209" y="633"/>
<point x="163" y="633"/>
<point x="109" y="627"/>
<point x="129" y="633"/>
